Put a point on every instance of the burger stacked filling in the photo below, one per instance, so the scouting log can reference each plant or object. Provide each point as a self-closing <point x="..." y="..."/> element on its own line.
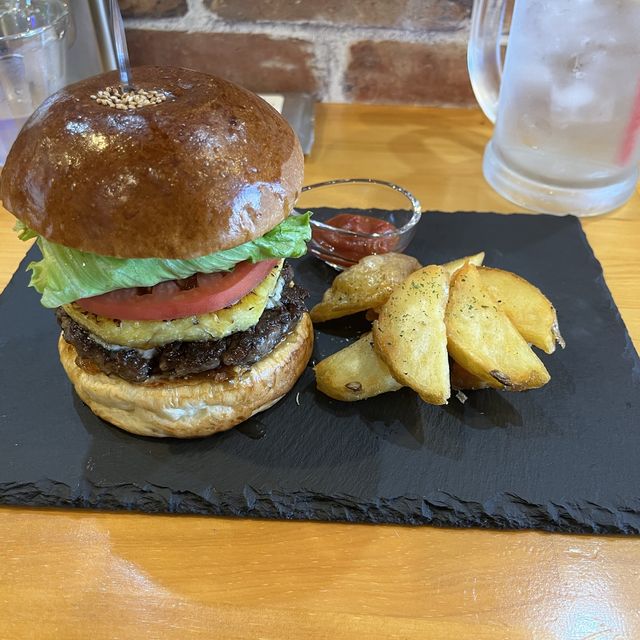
<point x="181" y="358"/>
<point x="214" y="322"/>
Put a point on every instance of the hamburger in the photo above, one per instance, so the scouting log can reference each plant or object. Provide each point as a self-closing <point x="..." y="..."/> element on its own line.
<point x="164" y="218"/>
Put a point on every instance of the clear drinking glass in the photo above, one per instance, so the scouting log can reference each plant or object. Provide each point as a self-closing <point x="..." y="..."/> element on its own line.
<point x="566" y="104"/>
<point x="34" y="35"/>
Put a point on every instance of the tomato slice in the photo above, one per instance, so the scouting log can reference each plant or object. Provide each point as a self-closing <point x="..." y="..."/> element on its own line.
<point x="345" y="249"/>
<point x="168" y="301"/>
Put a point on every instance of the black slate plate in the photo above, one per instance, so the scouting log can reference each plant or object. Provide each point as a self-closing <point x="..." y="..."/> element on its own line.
<point x="563" y="458"/>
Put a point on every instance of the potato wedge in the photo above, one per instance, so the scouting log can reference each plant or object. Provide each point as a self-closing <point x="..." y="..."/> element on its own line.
<point x="527" y="307"/>
<point x="450" y="267"/>
<point x="355" y="373"/>
<point x="455" y="265"/>
<point x="483" y="340"/>
<point x="462" y="380"/>
<point x="410" y="334"/>
<point x="365" y="285"/>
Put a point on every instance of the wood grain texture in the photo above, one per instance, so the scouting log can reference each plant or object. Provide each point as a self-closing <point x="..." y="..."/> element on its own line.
<point x="73" y="574"/>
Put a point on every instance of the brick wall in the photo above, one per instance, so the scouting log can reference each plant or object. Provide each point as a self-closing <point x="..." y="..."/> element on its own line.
<point x="391" y="51"/>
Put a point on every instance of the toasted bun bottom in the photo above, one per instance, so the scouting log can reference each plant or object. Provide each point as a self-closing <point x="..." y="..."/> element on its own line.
<point x="198" y="406"/>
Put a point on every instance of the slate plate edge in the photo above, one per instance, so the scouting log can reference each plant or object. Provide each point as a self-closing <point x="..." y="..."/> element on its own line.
<point x="515" y="513"/>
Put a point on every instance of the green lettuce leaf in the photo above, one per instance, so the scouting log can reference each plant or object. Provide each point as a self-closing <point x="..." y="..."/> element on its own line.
<point x="24" y="233"/>
<point x="64" y="274"/>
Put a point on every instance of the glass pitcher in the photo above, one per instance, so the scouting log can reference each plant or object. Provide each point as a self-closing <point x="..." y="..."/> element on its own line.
<point x="566" y="102"/>
<point x="34" y="36"/>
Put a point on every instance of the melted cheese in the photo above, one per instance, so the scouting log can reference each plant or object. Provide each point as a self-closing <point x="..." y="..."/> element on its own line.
<point x="146" y="334"/>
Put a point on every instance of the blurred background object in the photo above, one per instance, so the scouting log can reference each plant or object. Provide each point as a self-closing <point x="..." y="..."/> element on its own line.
<point x="391" y="51"/>
<point x="396" y="51"/>
<point x="565" y="104"/>
<point x="92" y="51"/>
<point x="34" y="37"/>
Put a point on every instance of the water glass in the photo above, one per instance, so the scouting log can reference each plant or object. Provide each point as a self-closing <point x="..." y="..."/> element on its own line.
<point x="566" y="102"/>
<point x="34" y="36"/>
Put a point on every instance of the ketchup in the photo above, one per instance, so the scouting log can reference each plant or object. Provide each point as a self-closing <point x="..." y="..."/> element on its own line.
<point x="352" y="248"/>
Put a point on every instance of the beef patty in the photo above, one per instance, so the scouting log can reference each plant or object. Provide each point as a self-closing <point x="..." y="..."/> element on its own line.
<point x="180" y="359"/>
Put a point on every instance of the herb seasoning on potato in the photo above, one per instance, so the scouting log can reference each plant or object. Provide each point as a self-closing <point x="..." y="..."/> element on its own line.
<point x="459" y="325"/>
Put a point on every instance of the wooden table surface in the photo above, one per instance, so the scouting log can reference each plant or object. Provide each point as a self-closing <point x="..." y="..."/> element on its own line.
<point x="82" y="574"/>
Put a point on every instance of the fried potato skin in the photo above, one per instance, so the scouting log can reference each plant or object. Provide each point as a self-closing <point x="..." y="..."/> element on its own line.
<point x="462" y="380"/>
<point x="527" y="307"/>
<point x="410" y="334"/>
<point x="365" y="285"/>
<point x="483" y="340"/>
<point x="454" y="266"/>
<point x="355" y="373"/>
<point x="450" y="267"/>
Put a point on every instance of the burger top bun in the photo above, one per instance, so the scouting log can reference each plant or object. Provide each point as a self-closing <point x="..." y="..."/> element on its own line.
<point x="208" y="168"/>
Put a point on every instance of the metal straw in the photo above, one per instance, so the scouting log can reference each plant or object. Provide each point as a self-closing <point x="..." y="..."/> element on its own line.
<point x="122" y="53"/>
